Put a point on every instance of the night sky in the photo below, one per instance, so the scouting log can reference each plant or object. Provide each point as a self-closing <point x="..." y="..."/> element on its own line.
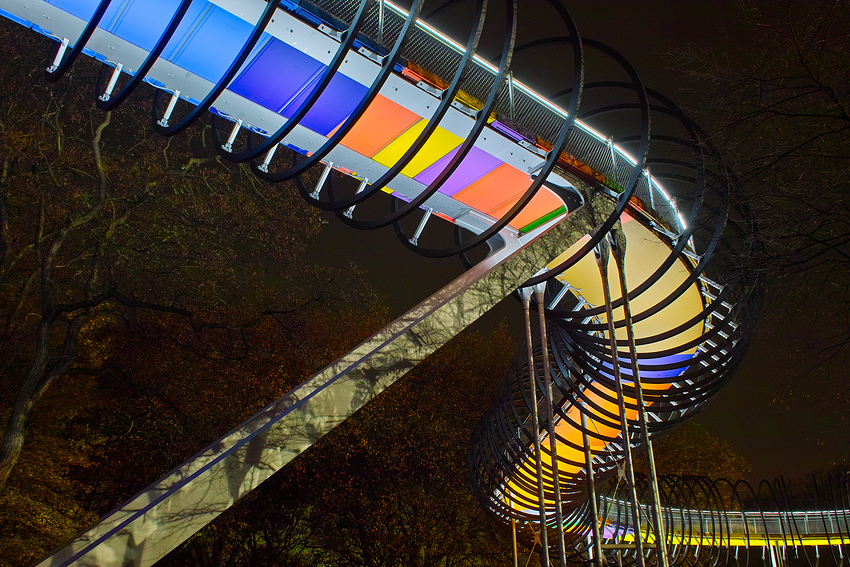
<point x="752" y="412"/>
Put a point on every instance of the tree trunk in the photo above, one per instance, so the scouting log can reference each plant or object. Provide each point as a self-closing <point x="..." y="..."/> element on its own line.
<point x="13" y="437"/>
<point x="39" y="378"/>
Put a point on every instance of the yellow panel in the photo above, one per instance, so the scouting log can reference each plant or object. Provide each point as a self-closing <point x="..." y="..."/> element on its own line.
<point x="644" y="253"/>
<point x="439" y="144"/>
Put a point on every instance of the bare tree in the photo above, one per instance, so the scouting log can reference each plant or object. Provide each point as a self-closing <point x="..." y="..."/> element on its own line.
<point x="777" y="95"/>
<point x="101" y="220"/>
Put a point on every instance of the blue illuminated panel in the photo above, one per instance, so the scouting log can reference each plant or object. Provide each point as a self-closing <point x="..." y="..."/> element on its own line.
<point x="682" y="360"/>
<point x="276" y="75"/>
<point x="280" y="77"/>
<point x="141" y="22"/>
<point x="208" y="39"/>
<point x="337" y="102"/>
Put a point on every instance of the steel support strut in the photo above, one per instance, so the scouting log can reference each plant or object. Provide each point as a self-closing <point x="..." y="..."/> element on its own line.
<point x="148" y="526"/>
<point x="525" y="293"/>
<point x="550" y="421"/>
<point x="591" y="491"/>
<point x="601" y="254"/>
<point x="618" y="250"/>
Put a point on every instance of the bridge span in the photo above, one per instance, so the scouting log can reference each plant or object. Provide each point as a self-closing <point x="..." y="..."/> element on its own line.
<point x="630" y="264"/>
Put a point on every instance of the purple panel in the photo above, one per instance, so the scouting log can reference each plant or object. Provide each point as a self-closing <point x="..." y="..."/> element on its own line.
<point x="276" y="75"/>
<point x="647" y="365"/>
<point x="476" y="165"/>
<point x="337" y="102"/>
<point x="509" y="132"/>
<point x="506" y="130"/>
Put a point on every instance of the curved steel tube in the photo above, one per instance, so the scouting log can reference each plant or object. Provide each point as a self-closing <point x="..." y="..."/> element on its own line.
<point x="113" y="101"/>
<point x="681" y="366"/>
<point x="51" y="74"/>
<point x="223" y="82"/>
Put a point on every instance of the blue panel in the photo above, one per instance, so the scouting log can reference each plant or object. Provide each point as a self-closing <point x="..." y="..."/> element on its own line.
<point x="276" y="75"/>
<point x="194" y="18"/>
<point x="336" y="103"/>
<point x="646" y="366"/>
<point x="80" y="8"/>
<point x="206" y="44"/>
<point x="141" y="22"/>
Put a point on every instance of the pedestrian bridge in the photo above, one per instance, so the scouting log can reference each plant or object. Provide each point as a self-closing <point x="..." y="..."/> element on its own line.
<point x="363" y="101"/>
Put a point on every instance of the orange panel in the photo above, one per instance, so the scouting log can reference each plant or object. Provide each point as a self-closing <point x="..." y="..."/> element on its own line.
<point x="495" y="189"/>
<point x="543" y="203"/>
<point x="382" y="122"/>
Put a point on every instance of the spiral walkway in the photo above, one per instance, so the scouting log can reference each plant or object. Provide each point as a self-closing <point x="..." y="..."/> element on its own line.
<point x="631" y="261"/>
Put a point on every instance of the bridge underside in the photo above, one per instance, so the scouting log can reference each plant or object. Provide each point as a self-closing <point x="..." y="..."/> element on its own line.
<point x="363" y="91"/>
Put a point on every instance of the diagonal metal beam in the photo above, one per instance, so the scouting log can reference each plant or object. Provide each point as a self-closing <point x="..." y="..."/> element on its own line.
<point x="148" y="526"/>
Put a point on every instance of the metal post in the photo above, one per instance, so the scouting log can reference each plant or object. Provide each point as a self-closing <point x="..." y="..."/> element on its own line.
<point x="322" y="178"/>
<point x="175" y="96"/>
<point x="539" y="289"/>
<point x="228" y="147"/>
<point x="649" y="185"/>
<point x="618" y="249"/>
<point x="601" y="253"/>
<point x="525" y="293"/>
<point x="264" y="167"/>
<point x="349" y="212"/>
<point x="773" y="555"/>
<point x="381" y="21"/>
<point x="60" y="53"/>
<point x="513" y="539"/>
<point x="415" y="239"/>
<point x="591" y="491"/>
<point x="613" y="159"/>
<point x="511" y="94"/>
<point x="107" y="94"/>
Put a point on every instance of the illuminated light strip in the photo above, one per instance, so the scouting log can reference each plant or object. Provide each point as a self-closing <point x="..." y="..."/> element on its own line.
<point x="725" y="541"/>
<point x="539" y="98"/>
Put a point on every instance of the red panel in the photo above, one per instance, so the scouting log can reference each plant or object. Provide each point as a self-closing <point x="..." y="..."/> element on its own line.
<point x="503" y="184"/>
<point x="543" y="203"/>
<point x="382" y="122"/>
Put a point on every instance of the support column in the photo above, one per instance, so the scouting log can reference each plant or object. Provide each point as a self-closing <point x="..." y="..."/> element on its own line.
<point x="591" y="491"/>
<point x="145" y="528"/>
<point x="618" y="249"/>
<point x="525" y="293"/>
<point x="601" y="253"/>
<point x="550" y="420"/>
<point x="513" y="541"/>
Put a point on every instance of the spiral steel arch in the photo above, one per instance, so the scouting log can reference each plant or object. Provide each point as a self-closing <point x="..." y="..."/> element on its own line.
<point x="501" y="453"/>
<point x="681" y="366"/>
